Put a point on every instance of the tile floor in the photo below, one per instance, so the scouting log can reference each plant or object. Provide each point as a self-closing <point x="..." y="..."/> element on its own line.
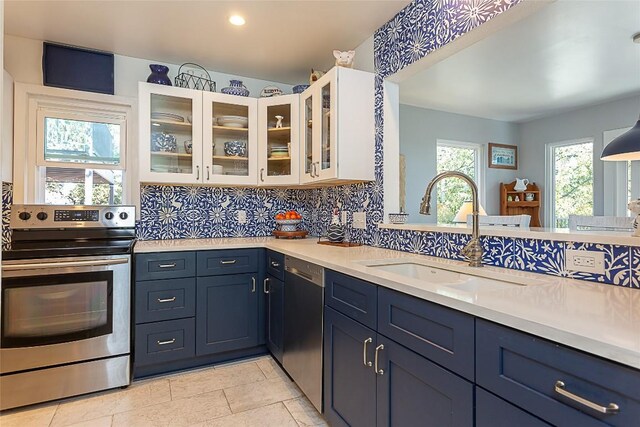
<point x="253" y="392"/>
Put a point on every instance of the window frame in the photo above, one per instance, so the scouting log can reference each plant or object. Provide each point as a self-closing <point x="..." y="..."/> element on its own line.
<point x="620" y="176"/>
<point x="479" y="164"/>
<point x="28" y="154"/>
<point x="550" y="205"/>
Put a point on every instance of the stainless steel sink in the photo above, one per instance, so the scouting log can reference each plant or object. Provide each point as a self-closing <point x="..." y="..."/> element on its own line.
<point x="445" y="278"/>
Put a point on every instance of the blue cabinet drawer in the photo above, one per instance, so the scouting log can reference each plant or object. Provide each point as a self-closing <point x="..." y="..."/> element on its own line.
<point x="162" y="342"/>
<point x="215" y="263"/>
<point x="549" y="380"/>
<point x="438" y="333"/>
<point x="165" y="265"/>
<point x="354" y="297"/>
<point x="491" y="411"/>
<point x="165" y="299"/>
<point x="275" y="264"/>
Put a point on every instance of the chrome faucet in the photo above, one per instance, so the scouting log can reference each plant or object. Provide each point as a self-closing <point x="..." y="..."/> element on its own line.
<point x="473" y="250"/>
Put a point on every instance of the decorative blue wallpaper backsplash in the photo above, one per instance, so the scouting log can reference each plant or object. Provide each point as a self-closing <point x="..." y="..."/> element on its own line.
<point x="424" y="25"/>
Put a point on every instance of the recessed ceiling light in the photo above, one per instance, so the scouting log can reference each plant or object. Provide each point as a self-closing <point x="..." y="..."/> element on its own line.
<point x="636" y="38"/>
<point x="237" y="20"/>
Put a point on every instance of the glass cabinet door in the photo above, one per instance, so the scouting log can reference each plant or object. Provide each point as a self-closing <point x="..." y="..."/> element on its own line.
<point x="307" y="138"/>
<point x="230" y="143"/>
<point x="327" y="155"/>
<point x="278" y="118"/>
<point x="170" y="133"/>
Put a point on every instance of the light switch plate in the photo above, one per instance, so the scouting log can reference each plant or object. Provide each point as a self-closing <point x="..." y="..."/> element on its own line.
<point x="242" y="216"/>
<point x="360" y="220"/>
<point x="345" y="217"/>
<point x="585" y="261"/>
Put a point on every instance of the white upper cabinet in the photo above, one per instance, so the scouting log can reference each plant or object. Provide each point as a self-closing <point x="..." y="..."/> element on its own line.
<point x="279" y="129"/>
<point x="338" y="135"/>
<point x="230" y="148"/>
<point x="170" y="137"/>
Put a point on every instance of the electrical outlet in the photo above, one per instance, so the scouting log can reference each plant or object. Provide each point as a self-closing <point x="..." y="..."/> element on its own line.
<point x="242" y="216"/>
<point x="585" y="261"/>
<point x="360" y="220"/>
<point x="345" y="217"/>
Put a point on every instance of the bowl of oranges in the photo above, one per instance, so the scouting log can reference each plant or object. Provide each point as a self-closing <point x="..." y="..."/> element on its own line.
<point x="288" y="221"/>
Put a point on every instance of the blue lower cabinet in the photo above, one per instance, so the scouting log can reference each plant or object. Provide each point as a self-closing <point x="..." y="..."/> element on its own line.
<point x="274" y="288"/>
<point x="491" y="411"/>
<point x="413" y="391"/>
<point x="349" y="381"/>
<point x="162" y="342"/>
<point x="226" y="313"/>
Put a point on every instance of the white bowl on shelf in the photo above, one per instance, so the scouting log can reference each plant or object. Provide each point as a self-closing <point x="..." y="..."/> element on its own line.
<point x="233" y="121"/>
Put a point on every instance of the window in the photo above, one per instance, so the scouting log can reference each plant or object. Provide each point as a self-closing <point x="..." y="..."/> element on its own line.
<point x="570" y="165"/>
<point x="463" y="157"/>
<point x="73" y="147"/>
<point x="623" y="177"/>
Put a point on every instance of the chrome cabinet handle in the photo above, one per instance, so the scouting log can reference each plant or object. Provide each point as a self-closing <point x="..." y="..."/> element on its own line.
<point x="207" y="173"/>
<point x="172" y="299"/>
<point x="230" y="261"/>
<point x="197" y="173"/>
<point x="275" y="264"/>
<point x="64" y="264"/>
<point x="253" y="284"/>
<point x="167" y="265"/>
<point x="364" y="352"/>
<point x="171" y="341"/>
<point x="317" y="169"/>
<point x="262" y="174"/>
<point x="375" y="358"/>
<point x="610" y="409"/>
<point x="313" y="170"/>
<point x="265" y="289"/>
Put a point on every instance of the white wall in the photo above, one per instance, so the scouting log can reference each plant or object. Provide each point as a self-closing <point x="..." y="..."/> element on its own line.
<point x="588" y="122"/>
<point x="364" y="56"/>
<point x="7" y="127"/>
<point x="419" y="131"/>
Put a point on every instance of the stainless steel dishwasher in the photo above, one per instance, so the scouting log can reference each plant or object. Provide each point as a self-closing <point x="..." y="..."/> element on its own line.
<point x="303" y="305"/>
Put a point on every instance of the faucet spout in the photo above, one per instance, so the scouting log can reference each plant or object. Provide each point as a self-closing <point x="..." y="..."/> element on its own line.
<point x="473" y="250"/>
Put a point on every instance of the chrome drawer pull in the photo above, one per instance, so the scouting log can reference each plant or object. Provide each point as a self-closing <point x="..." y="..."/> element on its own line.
<point x="231" y="261"/>
<point x="265" y="284"/>
<point x="171" y="341"/>
<point x="172" y="265"/>
<point x="378" y="371"/>
<point x="172" y="299"/>
<point x="253" y="284"/>
<point x="275" y="264"/>
<point x="364" y="352"/>
<point x="610" y="409"/>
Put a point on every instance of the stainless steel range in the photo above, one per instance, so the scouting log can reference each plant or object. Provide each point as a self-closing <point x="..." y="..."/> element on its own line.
<point x="65" y="302"/>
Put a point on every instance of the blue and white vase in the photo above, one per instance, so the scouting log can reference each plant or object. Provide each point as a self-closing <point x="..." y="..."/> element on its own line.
<point x="235" y="88"/>
<point x="159" y="75"/>
<point x="335" y="233"/>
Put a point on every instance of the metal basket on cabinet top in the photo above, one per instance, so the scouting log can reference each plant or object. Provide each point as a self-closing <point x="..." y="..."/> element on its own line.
<point x="190" y="80"/>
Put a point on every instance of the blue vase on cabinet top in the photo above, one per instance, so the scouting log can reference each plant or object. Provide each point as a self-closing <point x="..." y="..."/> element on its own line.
<point x="159" y="75"/>
<point x="235" y="88"/>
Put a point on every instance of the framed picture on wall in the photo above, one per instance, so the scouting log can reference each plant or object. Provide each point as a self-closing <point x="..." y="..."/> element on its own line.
<point x="502" y="156"/>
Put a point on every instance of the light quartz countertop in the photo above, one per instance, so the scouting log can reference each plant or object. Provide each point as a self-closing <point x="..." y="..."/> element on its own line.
<point x="560" y="234"/>
<point x="600" y="319"/>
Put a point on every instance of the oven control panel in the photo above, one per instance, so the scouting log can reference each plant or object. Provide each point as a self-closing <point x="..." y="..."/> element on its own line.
<point x="52" y="216"/>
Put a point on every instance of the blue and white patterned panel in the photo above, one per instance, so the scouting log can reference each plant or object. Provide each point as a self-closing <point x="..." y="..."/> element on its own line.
<point x="7" y="200"/>
<point x="616" y="263"/>
<point x="635" y="267"/>
<point x="539" y="256"/>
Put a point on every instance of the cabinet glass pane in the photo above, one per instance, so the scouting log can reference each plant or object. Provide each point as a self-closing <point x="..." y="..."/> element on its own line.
<point x="326" y="127"/>
<point x="230" y="141"/>
<point x="308" y="134"/>
<point x="171" y="134"/>
<point x="279" y="140"/>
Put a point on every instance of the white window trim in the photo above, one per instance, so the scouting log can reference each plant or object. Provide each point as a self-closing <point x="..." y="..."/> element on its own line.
<point x="549" y="200"/>
<point x="480" y="162"/>
<point x="30" y="99"/>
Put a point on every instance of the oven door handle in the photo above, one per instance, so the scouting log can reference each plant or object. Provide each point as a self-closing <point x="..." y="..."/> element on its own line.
<point x="65" y="264"/>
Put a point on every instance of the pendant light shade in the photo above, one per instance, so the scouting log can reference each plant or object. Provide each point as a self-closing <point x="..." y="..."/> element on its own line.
<point x="624" y="147"/>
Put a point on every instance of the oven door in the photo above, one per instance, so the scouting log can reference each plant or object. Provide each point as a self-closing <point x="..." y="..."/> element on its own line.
<point x="63" y="310"/>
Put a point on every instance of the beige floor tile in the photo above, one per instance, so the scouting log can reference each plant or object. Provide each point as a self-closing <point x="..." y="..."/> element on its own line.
<point x="304" y="412"/>
<point x="275" y="415"/>
<point x="89" y="408"/>
<point x="271" y="369"/>
<point x="33" y="416"/>
<point x="199" y="382"/>
<point x="98" y="422"/>
<point x="177" y="413"/>
<point x="248" y="396"/>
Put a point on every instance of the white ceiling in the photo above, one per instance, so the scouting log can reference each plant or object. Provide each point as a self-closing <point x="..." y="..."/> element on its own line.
<point x="569" y="54"/>
<point x="281" y="40"/>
